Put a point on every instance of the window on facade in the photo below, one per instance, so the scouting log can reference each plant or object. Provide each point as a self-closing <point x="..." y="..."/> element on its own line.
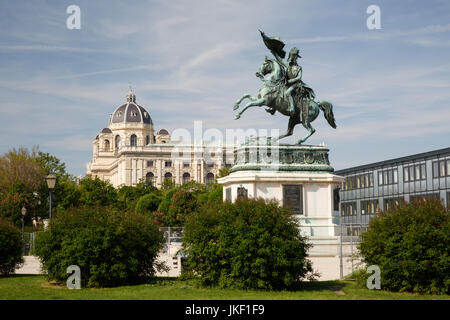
<point x="411" y="173"/>
<point x="448" y="167"/>
<point x="414" y="172"/>
<point x="211" y="165"/>
<point x="186" y="164"/>
<point x="435" y="169"/>
<point x="406" y="174"/>
<point x="133" y="140"/>
<point x="418" y="175"/>
<point x="360" y="181"/>
<point x="168" y="163"/>
<point x="186" y="177"/>
<point x="117" y="141"/>
<point x="147" y="140"/>
<point x="348" y="209"/>
<point x="423" y="197"/>
<point x="442" y="168"/>
<point x="107" y="145"/>
<point x="150" y="177"/>
<point x="150" y="163"/>
<point x="391" y="203"/>
<point x="369" y="207"/>
<point x="209" y="179"/>
<point x="167" y="176"/>
<point x="389" y="176"/>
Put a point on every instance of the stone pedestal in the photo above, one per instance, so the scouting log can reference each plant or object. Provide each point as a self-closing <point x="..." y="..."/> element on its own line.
<point x="297" y="176"/>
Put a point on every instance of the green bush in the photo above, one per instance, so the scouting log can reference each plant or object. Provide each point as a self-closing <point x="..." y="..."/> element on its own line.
<point x="148" y="203"/>
<point x="250" y="244"/>
<point x="110" y="247"/>
<point x="10" y="248"/>
<point x="411" y="245"/>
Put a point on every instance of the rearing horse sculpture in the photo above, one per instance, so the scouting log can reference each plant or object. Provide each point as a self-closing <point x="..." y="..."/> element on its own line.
<point x="272" y="94"/>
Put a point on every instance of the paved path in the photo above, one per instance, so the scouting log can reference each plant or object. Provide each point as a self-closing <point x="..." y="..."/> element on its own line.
<point x="31" y="265"/>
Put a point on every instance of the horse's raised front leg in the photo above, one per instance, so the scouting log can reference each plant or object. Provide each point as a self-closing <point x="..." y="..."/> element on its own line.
<point x="245" y="96"/>
<point x="310" y="129"/>
<point x="253" y="103"/>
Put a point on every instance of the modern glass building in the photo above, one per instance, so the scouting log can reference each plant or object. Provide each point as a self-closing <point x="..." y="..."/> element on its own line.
<point x="380" y="186"/>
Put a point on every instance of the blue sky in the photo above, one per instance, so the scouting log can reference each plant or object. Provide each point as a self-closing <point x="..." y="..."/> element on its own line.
<point x="191" y="60"/>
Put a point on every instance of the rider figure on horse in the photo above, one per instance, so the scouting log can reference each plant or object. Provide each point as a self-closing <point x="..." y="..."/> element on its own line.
<point x="296" y="88"/>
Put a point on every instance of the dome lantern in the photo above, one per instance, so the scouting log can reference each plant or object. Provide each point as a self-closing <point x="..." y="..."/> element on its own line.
<point x="131" y="97"/>
<point x="130" y="112"/>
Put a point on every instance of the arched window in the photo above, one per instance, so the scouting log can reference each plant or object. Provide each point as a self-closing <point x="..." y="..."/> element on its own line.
<point x="133" y="140"/>
<point x="168" y="176"/>
<point x="150" y="177"/>
<point x="107" y="145"/>
<point x="186" y="177"/>
<point x="147" y="140"/>
<point x="209" y="179"/>
<point x="117" y="141"/>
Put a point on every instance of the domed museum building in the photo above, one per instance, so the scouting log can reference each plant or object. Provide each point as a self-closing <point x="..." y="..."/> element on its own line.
<point x="129" y="150"/>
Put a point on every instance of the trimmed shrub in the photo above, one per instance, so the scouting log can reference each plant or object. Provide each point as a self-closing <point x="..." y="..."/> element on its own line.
<point x="250" y="244"/>
<point x="411" y="245"/>
<point x="10" y="248"/>
<point x="111" y="248"/>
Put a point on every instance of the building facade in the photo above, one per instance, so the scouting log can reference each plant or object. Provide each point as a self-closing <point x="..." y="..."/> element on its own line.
<point x="128" y="151"/>
<point x="380" y="186"/>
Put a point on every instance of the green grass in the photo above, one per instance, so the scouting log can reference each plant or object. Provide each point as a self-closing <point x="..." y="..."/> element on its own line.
<point x="32" y="287"/>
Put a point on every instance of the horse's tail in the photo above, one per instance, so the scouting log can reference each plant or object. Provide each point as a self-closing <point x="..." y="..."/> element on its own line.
<point x="327" y="109"/>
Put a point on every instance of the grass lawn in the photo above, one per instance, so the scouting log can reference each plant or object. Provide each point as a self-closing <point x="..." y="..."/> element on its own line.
<point x="18" y="287"/>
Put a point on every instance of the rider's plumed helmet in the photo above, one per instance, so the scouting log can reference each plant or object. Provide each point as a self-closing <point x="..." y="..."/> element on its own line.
<point x="293" y="53"/>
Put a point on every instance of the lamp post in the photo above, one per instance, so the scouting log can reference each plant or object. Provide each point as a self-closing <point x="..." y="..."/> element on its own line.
<point x="24" y="212"/>
<point x="51" y="181"/>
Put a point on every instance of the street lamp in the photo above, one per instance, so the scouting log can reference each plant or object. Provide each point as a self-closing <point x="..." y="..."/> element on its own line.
<point x="24" y="212"/>
<point x="51" y="181"/>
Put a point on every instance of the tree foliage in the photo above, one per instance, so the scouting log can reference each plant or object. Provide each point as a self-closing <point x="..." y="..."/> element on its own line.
<point x="180" y="201"/>
<point x="96" y="192"/>
<point x="148" y="203"/>
<point x="10" y="248"/>
<point x="20" y="166"/>
<point x="128" y="196"/>
<point x="249" y="244"/>
<point x="110" y="247"/>
<point x="411" y="245"/>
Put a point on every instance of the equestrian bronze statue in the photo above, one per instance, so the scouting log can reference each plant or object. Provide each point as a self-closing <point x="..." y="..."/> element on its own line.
<point x="284" y="91"/>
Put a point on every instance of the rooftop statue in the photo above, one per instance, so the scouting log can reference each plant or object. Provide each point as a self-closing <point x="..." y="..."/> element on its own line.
<point x="284" y="91"/>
